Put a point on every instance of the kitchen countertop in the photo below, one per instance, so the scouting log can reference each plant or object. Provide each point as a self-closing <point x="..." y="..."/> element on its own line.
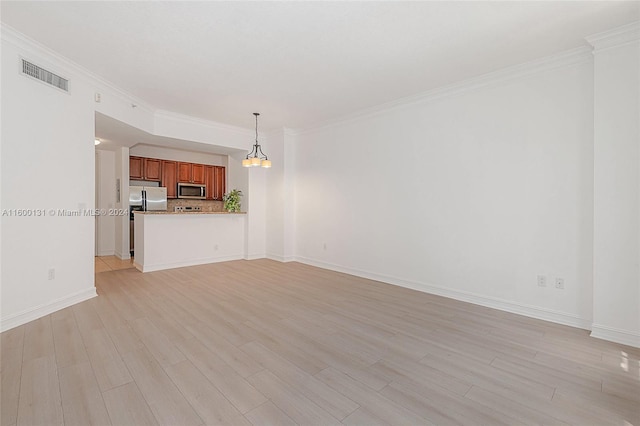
<point x="184" y="213"/>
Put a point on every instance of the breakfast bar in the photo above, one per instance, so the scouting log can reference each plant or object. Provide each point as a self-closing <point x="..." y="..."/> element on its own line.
<point x="166" y="240"/>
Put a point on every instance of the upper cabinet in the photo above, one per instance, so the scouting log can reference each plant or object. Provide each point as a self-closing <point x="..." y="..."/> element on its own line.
<point x="145" y="168"/>
<point x="170" y="178"/>
<point x="135" y="168"/>
<point x="152" y="169"/>
<point x="215" y="181"/>
<point x="220" y="183"/>
<point x="170" y="173"/>
<point x="191" y="173"/>
<point x="198" y="173"/>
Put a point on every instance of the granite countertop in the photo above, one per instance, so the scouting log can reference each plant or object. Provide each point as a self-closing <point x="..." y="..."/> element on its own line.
<point x="184" y="213"/>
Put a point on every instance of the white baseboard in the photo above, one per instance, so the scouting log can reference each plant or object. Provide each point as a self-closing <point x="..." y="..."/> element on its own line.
<point x="106" y="253"/>
<point x="490" y="302"/>
<point x="122" y="256"/>
<point x="279" y="258"/>
<point x="31" y="314"/>
<point x="182" y="264"/>
<point x="254" y="256"/>
<point x="617" y="335"/>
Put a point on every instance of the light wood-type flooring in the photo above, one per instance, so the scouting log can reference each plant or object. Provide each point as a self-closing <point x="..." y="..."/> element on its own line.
<point x="111" y="263"/>
<point x="261" y="342"/>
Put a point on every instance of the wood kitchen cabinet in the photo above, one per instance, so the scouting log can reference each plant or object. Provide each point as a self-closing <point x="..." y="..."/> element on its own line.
<point x="184" y="172"/>
<point x="145" y="169"/>
<point x="170" y="178"/>
<point x="135" y="168"/>
<point x="215" y="181"/>
<point x="197" y="173"/>
<point x="152" y="169"/>
<point x="191" y="173"/>
<point x="209" y="180"/>
<point x="220" y="182"/>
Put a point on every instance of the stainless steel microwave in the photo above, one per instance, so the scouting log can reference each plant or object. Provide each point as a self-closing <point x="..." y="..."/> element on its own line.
<point x="192" y="190"/>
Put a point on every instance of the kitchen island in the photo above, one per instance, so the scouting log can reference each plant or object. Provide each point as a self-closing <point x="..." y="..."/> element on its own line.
<point x="165" y="240"/>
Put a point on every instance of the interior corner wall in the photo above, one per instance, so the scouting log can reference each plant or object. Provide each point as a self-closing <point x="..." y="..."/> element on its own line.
<point x="256" y="202"/>
<point x="289" y="196"/>
<point x="471" y="195"/>
<point x="105" y="201"/>
<point x="238" y="178"/>
<point x="122" y="231"/>
<point x="47" y="147"/>
<point x="616" y="302"/>
<point x="280" y="203"/>
<point x="275" y="197"/>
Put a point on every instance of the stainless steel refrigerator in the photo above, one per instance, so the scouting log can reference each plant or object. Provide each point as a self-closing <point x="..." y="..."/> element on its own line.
<point x="148" y="198"/>
<point x="144" y="198"/>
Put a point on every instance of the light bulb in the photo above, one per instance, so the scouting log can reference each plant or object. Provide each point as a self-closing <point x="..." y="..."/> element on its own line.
<point x="246" y="163"/>
<point x="266" y="163"/>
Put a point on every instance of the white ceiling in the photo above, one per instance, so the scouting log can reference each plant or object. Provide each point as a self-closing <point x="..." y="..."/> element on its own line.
<point x="301" y="63"/>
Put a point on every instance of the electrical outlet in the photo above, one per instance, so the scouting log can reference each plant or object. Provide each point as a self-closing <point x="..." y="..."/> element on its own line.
<point x="215" y="247"/>
<point x="52" y="274"/>
<point x="542" y="281"/>
<point x="560" y="283"/>
<point x="324" y="246"/>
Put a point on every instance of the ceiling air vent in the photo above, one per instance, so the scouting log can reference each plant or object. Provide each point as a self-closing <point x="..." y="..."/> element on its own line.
<point x="41" y="74"/>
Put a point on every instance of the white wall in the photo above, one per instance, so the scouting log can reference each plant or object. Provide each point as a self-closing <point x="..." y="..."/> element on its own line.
<point x="178" y="155"/>
<point x="48" y="162"/>
<point x="280" y="200"/>
<point x="470" y="195"/>
<point x="255" y="200"/>
<point x="276" y="197"/>
<point x="105" y="200"/>
<point x="616" y="266"/>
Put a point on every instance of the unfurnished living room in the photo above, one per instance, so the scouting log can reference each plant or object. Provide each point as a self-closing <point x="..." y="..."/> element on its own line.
<point x="318" y="213"/>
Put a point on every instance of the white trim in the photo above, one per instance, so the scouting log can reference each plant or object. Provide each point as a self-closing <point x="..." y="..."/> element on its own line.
<point x="106" y="253"/>
<point x="560" y="60"/>
<point x="616" y="335"/>
<point x="490" y="302"/>
<point x="121" y="256"/>
<point x="40" y="311"/>
<point x="182" y="264"/>
<point x="615" y="37"/>
<point x="254" y="256"/>
<point x="283" y="259"/>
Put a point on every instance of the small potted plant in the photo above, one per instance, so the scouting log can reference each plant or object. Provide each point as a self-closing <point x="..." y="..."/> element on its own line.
<point x="232" y="201"/>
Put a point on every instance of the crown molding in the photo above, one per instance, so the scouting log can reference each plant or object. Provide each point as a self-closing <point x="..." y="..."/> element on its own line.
<point x="560" y="60"/>
<point x="187" y="119"/>
<point x="615" y="37"/>
<point x="32" y="47"/>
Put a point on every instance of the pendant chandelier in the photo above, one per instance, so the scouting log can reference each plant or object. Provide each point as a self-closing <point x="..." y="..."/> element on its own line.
<point x="256" y="157"/>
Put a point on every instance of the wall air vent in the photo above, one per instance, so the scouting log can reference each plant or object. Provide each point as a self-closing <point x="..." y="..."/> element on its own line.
<point x="43" y="75"/>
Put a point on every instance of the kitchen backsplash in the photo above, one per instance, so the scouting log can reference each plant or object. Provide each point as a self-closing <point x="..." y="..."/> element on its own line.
<point x="205" y="205"/>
